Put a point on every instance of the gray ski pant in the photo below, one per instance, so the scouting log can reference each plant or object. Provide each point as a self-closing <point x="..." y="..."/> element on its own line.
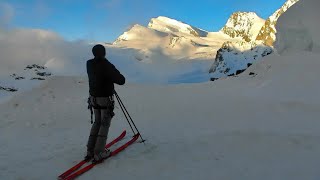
<point x="100" y="128"/>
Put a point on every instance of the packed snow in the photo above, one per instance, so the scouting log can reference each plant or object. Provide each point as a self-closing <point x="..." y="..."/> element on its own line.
<point x="262" y="124"/>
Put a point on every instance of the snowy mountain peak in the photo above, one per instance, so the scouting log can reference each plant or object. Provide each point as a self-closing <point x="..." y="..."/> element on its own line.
<point x="138" y="32"/>
<point x="238" y="16"/>
<point x="268" y="31"/>
<point x="127" y="35"/>
<point x="245" y="25"/>
<point x="165" y="24"/>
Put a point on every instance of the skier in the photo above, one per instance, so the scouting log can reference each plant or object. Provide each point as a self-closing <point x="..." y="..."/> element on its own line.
<point x="102" y="76"/>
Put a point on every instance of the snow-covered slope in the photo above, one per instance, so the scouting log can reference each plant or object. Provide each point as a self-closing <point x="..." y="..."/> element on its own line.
<point x="267" y="33"/>
<point x="166" y="38"/>
<point x="170" y="39"/>
<point x="141" y="34"/>
<point x="249" y="127"/>
<point x="262" y="124"/>
<point x="245" y="25"/>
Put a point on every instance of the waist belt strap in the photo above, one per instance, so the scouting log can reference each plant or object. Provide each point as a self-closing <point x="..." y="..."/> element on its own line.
<point x="96" y="106"/>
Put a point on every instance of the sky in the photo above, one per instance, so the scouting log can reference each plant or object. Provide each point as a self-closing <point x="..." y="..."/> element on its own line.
<point x="105" y="20"/>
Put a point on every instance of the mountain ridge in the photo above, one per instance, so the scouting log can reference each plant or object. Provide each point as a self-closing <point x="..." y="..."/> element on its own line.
<point x="268" y="31"/>
<point x="243" y="40"/>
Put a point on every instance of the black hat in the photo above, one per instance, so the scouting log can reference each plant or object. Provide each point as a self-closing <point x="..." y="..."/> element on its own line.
<point x="99" y="51"/>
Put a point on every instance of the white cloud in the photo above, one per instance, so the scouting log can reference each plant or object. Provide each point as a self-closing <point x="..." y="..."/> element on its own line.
<point x="22" y="47"/>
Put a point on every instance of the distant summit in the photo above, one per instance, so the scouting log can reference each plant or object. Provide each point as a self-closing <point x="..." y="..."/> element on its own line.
<point x="234" y="57"/>
<point x="165" y="24"/>
<point x="245" y="39"/>
<point x="141" y="33"/>
<point x="245" y="25"/>
<point x="171" y="39"/>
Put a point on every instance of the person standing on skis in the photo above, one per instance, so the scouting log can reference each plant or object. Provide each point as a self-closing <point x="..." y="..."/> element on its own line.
<point x="102" y="75"/>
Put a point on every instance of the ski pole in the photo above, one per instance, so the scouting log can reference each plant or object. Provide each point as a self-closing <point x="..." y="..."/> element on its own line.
<point x="124" y="109"/>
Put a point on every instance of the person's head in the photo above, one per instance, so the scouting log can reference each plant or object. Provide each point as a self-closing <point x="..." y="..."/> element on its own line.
<point x="99" y="51"/>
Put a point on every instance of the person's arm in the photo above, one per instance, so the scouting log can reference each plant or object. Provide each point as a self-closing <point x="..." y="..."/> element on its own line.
<point x="87" y="66"/>
<point x="116" y="76"/>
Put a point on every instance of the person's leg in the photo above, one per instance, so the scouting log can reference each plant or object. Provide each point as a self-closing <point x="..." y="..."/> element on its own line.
<point x="106" y="116"/>
<point x="94" y="132"/>
<point x="103" y="132"/>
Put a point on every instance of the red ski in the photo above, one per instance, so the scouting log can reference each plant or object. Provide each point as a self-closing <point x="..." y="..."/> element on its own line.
<point x="77" y="166"/>
<point x="113" y="153"/>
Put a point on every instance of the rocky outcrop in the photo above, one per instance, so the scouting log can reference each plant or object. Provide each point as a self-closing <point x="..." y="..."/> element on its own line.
<point x="8" y="89"/>
<point x="30" y="72"/>
<point x="234" y="57"/>
<point x="268" y="31"/>
<point x="245" y="25"/>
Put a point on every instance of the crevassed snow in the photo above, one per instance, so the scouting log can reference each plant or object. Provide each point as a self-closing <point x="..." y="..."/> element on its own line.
<point x="297" y="30"/>
<point x="268" y="31"/>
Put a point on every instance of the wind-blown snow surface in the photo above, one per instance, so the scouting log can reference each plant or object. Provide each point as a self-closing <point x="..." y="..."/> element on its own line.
<point x="250" y="127"/>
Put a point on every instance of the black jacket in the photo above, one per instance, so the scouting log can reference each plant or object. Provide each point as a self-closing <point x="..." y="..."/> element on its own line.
<point x="102" y="76"/>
